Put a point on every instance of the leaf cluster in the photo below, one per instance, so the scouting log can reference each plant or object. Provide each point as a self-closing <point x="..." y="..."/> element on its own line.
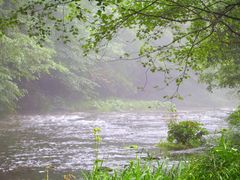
<point x="186" y="132"/>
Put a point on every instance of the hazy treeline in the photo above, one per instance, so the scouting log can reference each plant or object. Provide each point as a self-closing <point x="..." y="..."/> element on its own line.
<point x="53" y="75"/>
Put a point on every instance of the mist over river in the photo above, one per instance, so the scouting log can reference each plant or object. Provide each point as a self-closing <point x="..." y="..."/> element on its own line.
<point x="28" y="143"/>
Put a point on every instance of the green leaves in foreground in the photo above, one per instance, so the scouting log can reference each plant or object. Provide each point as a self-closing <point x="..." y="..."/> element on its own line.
<point x="134" y="170"/>
<point x="220" y="163"/>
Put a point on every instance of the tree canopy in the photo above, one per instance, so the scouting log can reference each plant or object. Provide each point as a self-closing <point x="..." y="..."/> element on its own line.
<point x="39" y="75"/>
<point x="204" y="35"/>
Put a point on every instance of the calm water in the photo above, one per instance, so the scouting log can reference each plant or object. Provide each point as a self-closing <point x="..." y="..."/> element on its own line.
<point x="29" y="143"/>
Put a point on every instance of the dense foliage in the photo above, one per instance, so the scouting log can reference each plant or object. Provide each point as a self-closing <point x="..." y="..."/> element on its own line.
<point x="234" y="118"/>
<point x="21" y="59"/>
<point x="49" y="76"/>
<point x="222" y="162"/>
<point x="186" y="132"/>
<point x="173" y="36"/>
<point x="203" y="35"/>
<point x="234" y="133"/>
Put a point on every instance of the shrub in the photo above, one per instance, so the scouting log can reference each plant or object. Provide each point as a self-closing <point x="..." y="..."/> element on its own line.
<point x="234" y="118"/>
<point x="234" y="131"/>
<point x="221" y="162"/>
<point x="188" y="133"/>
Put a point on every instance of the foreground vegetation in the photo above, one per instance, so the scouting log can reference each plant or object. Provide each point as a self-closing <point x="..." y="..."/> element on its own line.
<point x="222" y="162"/>
<point x="219" y="162"/>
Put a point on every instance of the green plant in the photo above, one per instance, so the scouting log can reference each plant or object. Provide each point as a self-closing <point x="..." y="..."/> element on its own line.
<point x="187" y="133"/>
<point x="97" y="167"/>
<point x="97" y="139"/>
<point x="221" y="162"/>
<point x="69" y="177"/>
<point x="234" y="130"/>
<point x="47" y="169"/>
<point x="234" y="118"/>
<point x="165" y="145"/>
<point x="137" y="170"/>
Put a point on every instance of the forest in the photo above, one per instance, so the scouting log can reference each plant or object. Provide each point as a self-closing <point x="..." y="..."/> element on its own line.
<point x="145" y="89"/>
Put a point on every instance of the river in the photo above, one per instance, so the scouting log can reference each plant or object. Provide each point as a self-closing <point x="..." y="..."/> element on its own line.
<point x="29" y="143"/>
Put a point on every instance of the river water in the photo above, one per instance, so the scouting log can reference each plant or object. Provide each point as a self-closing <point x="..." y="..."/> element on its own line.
<point x="29" y="143"/>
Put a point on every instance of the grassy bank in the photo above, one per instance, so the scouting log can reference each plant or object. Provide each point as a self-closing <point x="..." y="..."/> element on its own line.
<point x="113" y="104"/>
<point x="101" y="105"/>
<point x="219" y="163"/>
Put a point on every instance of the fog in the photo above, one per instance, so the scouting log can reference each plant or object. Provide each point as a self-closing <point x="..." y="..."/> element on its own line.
<point x="116" y="71"/>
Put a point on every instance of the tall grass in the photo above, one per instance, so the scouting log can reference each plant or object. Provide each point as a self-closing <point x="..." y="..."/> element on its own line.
<point x="137" y="169"/>
<point x="219" y="163"/>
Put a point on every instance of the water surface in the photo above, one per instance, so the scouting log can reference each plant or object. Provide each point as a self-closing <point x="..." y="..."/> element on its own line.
<point x="29" y="143"/>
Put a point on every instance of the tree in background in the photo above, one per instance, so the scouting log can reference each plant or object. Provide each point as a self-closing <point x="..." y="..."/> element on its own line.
<point x="21" y="59"/>
<point x="38" y="76"/>
<point x="204" y="35"/>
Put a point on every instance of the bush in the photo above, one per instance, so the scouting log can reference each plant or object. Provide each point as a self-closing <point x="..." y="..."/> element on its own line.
<point x="221" y="162"/>
<point x="234" y="118"/>
<point x="234" y="131"/>
<point x="188" y="133"/>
